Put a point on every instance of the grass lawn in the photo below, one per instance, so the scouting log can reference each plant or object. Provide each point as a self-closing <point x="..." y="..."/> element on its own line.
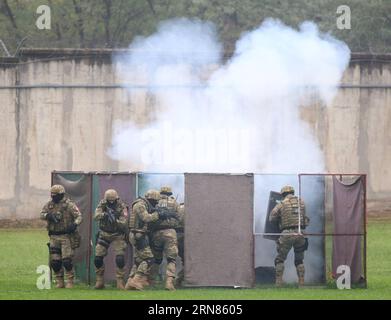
<point x="22" y="250"/>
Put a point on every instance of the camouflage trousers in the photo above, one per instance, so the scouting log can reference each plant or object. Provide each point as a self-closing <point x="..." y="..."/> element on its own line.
<point x="164" y="242"/>
<point x="61" y="255"/>
<point x="118" y="243"/>
<point x="142" y="255"/>
<point x="284" y="245"/>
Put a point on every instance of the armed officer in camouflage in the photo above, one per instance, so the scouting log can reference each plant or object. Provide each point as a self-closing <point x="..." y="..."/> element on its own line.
<point x="112" y="216"/>
<point x="143" y="213"/>
<point x="164" y="237"/>
<point x="289" y="214"/>
<point x="63" y="217"/>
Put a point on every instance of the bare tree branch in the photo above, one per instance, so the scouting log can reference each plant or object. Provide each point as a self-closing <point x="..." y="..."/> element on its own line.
<point x="5" y="8"/>
<point x="56" y="25"/>
<point x="150" y="3"/>
<point x="120" y="30"/>
<point x="79" y="22"/>
<point x="106" y="21"/>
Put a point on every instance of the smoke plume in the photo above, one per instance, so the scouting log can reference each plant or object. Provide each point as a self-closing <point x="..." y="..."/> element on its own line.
<point x="239" y="115"/>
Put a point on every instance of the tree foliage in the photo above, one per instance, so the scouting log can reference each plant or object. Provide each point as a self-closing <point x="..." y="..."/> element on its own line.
<point x="115" y="23"/>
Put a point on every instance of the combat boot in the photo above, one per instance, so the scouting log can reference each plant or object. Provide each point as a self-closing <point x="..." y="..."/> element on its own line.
<point x="100" y="282"/>
<point x="279" y="274"/>
<point x="69" y="284"/>
<point x="120" y="284"/>
<point x="170" y="284"/>
<point x="70" y="276"/>
<point x="120" y="274"/>
<point x="136" y="283"/>
<point x="279" y="281"/>
<point x="153" y="274"/>
<point x="300" y="274"/>
<point x="60" y="282"/>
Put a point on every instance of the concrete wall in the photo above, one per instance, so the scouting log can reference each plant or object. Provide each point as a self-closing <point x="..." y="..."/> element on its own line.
<point x="48" y="128"/>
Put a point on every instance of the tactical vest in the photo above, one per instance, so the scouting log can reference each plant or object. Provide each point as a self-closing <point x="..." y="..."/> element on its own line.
<point x="135" y="223"/>
<point x="104" y="225"/>
<point x="290" y="213"/>
<point x="63" y="213"/>
<point x="171" y="204"/>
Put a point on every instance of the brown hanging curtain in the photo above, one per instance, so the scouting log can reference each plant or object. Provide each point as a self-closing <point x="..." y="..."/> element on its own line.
<point x="348" y="214"/>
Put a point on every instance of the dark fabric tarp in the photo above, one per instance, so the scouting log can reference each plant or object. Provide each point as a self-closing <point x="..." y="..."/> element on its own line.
<point x="125" y="185"/>
<point x="78" y="187"/>
<point x="272" y="227"/>
<point x="348" y="201"/>
<point x="219" y="243"/>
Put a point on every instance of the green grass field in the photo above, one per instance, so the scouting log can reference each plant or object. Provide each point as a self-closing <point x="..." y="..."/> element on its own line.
<point x="22" y="250"/>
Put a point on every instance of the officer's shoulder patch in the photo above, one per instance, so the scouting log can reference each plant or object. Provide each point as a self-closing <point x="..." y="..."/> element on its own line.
<point x="125" y="211"/>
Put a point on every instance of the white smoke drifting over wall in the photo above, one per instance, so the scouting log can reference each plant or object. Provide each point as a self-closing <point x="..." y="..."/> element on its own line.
<point x="238" y="116"/>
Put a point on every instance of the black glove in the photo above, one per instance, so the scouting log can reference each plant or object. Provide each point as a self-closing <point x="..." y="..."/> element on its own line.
<point x="72" y="228"/>
<point x="142" y="243"/>
<point x="163" y="215"/>
<point x="110" y="216"/>
<point x="51" y="217"/>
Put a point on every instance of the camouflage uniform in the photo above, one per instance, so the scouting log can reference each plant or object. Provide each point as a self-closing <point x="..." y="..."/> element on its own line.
<point x="286" y="214"/>
<point x="62" y="218"/>
<point x="164" y="237"/>
<point x="111" y="233"/>
<point x="143" y="212"/>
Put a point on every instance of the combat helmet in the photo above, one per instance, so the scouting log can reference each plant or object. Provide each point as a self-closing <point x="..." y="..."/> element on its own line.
<point x="111" y="195"/>
<point x="152" y="194"/>
<point x="166" y="190"/>
<point x="57" y="189"/>
<point x="287" y="189"/>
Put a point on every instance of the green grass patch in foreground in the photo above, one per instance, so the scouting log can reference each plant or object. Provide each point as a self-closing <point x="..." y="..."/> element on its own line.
<point x="23" y="250"/>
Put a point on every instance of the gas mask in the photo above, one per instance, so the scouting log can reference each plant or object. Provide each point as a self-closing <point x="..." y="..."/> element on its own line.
<point x="111" y="203"/>
<point x="57" y="197"/>
<point x="153" y="202"/>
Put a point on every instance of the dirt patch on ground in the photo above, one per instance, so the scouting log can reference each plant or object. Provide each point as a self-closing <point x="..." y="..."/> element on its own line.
<point x="22" y="223"/>
<point x="379" y="214"/>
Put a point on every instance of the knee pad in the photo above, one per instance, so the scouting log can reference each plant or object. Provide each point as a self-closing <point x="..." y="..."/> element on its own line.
<point x="104" y="243"/>
<point x="158" y="261"/>
<point x="277" y="261"/>
<point x="67" y="262"/>
<point x="120" y="261"/>
<point x="297" y="262"/>
<point x="56" y="265"/>
<point x="55" y="250"/>
<point x="98" y="261"/>
<point x="171" y="260"/>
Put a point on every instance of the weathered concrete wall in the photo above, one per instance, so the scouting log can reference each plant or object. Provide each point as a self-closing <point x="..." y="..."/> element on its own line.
<point x="71" y="128"/>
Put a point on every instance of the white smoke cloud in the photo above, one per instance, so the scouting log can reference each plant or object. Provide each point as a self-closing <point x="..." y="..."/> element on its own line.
<point x="239" y="116"/>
